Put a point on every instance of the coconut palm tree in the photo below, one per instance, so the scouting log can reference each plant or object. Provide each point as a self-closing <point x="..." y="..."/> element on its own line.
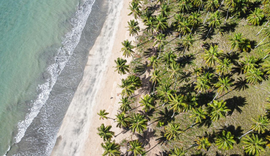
<point x="223" y="85"/>
<point x="177" y="103"/>
<point x="214" y="21"/>
<point x="176" y="151"/>
<point x="148" y="102"/>
<point x="133" y="27"/>
<point x="150" y="23"/>
<point x="248" y="64"/>
<point x="198" y="114"/>
<point x="128" y="88"/>
<point x="188" y="41"/>
<point x="253" y="145"/>
<point x="184" y="5"/>
<point x="172" y="131"/>
<point x="254" y="76"/>
<point x="135" y="81"/>
<point x="195" y="20"/>
<point x="202" y="143"/>
<point x="266" y="67"/>
<point x="121" y="66"/>
<point x="224" y="66"/>
<point x="153" y="61"/>
<point x="212" y="55"/>
<point x="217" y="109"/>
<point x="155" y="77"/>
<point x="135" y="7"/>
<point x="111" y="149"/>
<point x="229" y="4"/>
<point x="225" y="140"/>
<point x="161" y="23"/>
<point x="212" y="5"/>
<point x="136" y="148"/>
<point x="103" y="114"/>
<point x="256" y="16"/>
<point x="125" y="104"/>
<point x="160" y="40"/>
<point x="259" y="125"/>
<point x="165" y="10"/>
<point x="182" y="26"/>
<point x="203" y="82"/>
<point x="138" y="123"/>
<point x="240" y="43"/>
<point x="122" y="120"/>
<point x="127" y="48"/>
<point x="168" y="58"/>
<point x="105" y="133"/>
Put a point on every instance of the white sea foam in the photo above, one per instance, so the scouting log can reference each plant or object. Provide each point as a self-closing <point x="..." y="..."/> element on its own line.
<point x="64" y="53"/>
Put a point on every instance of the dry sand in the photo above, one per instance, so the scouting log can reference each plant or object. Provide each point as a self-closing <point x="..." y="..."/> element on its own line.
<point x="98" y="89"/>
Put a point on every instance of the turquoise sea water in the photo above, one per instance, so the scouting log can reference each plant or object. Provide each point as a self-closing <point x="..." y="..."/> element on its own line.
<point x="37" y="41"/>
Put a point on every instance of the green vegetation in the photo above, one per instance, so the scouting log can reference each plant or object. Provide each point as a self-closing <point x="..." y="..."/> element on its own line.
<point x="198" y="79"/>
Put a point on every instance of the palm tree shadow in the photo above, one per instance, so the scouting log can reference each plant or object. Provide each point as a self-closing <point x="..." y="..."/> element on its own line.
<point x="253" y="44"/>
<point x="206" y="122"/>
<point x="185" y="60"/>
<point x="162" y="139"/>
<point x="205" y="30"/>
<point x="241" y="84"/>
<point x="236" y="131"/>
<point x="146" y="85"/>
<point x="233" y="57"/>
<point x="199" y="154"/>
<point x="149" y="52"/>
<point x="229" y="27"/>
<point x="162" y="153"/>
<point x="205" y="98"/>
<point x="146" y="136"/>
<point x="235" y="103"/>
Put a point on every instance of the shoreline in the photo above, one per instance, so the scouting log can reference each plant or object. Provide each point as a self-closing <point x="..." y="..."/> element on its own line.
<point x="77" y="134"/>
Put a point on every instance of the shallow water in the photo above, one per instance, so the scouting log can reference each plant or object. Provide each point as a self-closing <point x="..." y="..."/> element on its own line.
<point x="42" y="62"/>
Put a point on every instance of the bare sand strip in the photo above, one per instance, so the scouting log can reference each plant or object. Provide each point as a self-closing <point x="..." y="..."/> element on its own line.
<point x="97" y="90"/>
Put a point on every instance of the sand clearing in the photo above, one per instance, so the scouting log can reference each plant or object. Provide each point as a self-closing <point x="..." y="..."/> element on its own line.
<point x="97" y="90"/>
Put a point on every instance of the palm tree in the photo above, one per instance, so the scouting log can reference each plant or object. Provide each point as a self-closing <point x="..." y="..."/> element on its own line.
<point x="168" y="58"/>
<point x="136" y="148"/>
<point x="138" y="123"/>
<point x="194" y="20"/>
<point x="133" y="27"/>
<point x="188" y="41"/>
<point x="127" y="49"/>
<point x="217" y="109"/>
<point x="225" y="140"/>
<point x="177" y="103"/>
<point x="182" y="26"/>
<point x="199" y="114"/>
<point x="155" y="78"/>
<point x="214" y="21"/>
<point x="176" y="151"/>
<point x="229" y="4"/>
<point x="165" y="9"/>
<point x="174" y="70"/>
<point x="259" y="125"/>
<point x="212" y="55"/>
<point x="202" y="143"/>
<point x="122" y="120"/>
<point x="266" y="33"/>
<point x="240" y="43"/>
<point x="105" y="133"/>
<point x="148" y="102"/>
<point x="248" y="64"/>
<point x="253" y="145"/>
<point x="125" y="104"/>
<point x="254" y="76"/>
<point x="134" y="7"/>
<point x="103" y="114"/>
<point x="223" y="85"/>
<point x="135" y="81"/>
<point x="128" y="88"/>
<point x="212" y="5"/>
<point x="153" y="61"/>
<point x="161" y="23"/>
<point x="111" y="149"/>
<point x="160" y="40"/>
<point x="203" y="82"/>
<point x="256" y="16"/>
<point x="184" y="5"/>
<point x="172" y="131"/>
<point x="150" y="23"/>
<point x="121" y="66"/>
<point x="224" y="66"/>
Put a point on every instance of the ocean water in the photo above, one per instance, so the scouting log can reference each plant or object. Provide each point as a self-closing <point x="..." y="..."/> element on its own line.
<point x="43" y="51"/>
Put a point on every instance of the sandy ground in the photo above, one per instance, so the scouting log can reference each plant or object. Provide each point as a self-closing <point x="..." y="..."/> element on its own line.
<point x="97" y="90"/>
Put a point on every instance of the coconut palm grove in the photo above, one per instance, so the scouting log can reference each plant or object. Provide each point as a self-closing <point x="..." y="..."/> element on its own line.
<point x="196" y="79"/>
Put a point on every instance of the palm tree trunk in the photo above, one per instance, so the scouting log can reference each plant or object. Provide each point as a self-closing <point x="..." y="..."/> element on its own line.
<point x="266" y="56"/>
<point x="173" y="114"/>
<point x="262" y="28"/>
<point x="220" y="5"/>
<point x="205" y="17"/>
<point x="214" y="97"/>
<point x="208" y="32"/>
<point x="227" y="15"/>
<point x="260" y="42"/>
<point x="245" y="134"/>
